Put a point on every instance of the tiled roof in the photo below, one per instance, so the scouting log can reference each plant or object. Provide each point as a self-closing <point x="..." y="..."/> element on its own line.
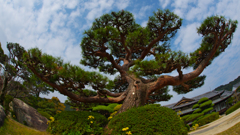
<point x="209" y="95"/>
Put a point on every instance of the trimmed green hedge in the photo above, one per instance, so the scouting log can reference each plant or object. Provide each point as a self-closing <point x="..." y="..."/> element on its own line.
<point x="233" y="108"/>
<point x="197" y="110"/>
<point x="109" y="108"/>
<point x="147" y="120"/>
<point x="112" y="106"/>
<point x="102" y="107"/>
<point x="77" y="122"/>
<point x="207" y="110"/>
<point x="208" y="103"/>
<point x="202" y="100"/>
<point x="208" y="118"/>
<point x="116" y="108"/>
<point x="193" y="117"/>
<point x="195" y="106"/>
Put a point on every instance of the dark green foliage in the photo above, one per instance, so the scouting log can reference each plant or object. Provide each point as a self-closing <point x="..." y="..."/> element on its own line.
<point x="148" y="119"/>
<point x="208" y="118"/>
<point x="45" y="114"/>
<point x="230" y="101"/>
<point x="197" y="110"/>
<point x="195" y="106"/>
<point x="228" y="86"/>
<point x="68" y="107"/>
<point x="7" y="100"/>
<point x="233" y="108"/>
<point x="159" y="95"/>
<point x="41" y="104"/>
<point x="185" y="117"/>
<point x="202" y="100"/>
<point x="193" y="84"/>
<point x="81" y="106"/>
<point x="188" y="127"/>
<point x="77" y="121"/>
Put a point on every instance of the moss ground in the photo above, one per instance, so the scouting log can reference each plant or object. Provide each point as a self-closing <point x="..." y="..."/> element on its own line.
<point x="12" y="127"/>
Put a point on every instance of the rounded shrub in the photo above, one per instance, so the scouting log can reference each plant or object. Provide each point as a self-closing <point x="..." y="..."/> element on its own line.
<point x="147" y="120"/>
<point x="74" y="122"/>
<point x="233" y="108"/>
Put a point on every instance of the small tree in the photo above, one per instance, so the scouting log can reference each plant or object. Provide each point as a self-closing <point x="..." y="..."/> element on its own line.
<point x="11" y="69"/>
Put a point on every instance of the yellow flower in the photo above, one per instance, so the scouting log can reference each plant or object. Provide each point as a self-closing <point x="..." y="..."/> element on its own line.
<point x="195" y="126"/>
<point x="91" y="121"/>
<point x="52" y="119"/>
<point x="48" y="122"/>
<point x="110" y="117"/>
<point x="125" y="129"/>
<point x="14" y="116"/>
<point x="90" y="117"/>
<point x="128" y="133"/>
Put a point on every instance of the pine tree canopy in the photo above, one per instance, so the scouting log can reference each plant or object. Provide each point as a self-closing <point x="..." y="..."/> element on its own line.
<point x="141" y="55"/>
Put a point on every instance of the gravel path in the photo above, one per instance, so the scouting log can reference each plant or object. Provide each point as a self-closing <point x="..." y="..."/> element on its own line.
<point x="219" y="125"/>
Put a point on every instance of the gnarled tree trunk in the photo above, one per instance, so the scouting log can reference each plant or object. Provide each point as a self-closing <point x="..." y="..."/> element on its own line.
<point x="137" y="92"/>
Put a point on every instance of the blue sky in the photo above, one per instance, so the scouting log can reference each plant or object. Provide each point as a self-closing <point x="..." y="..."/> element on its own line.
<point x="57" y="26"/>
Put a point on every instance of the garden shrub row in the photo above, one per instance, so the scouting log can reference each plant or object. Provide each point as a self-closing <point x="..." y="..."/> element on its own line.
<point x="208" y="118"/>
<point x="233" y="108"/>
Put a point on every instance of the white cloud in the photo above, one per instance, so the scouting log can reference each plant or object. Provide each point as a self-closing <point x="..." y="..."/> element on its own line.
<point x="188" y="39"/>
<point x="164" y="3"/>
<point x="97" y="7"/>
<point x="200" y="11"/>
<point x="144" y="23"/>
<point x="181" y="6"/>
<point x="122" y="4"/>
<point x="142" y="12"/>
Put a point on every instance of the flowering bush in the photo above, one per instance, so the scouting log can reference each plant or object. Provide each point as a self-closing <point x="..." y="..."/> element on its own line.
<point x="72" y="122"/>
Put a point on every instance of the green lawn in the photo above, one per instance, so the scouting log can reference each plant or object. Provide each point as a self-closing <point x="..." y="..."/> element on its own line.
<point x="235" y="130"/>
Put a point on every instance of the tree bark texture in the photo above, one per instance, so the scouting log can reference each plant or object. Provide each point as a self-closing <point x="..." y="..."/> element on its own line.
<point x="136" y="96"/>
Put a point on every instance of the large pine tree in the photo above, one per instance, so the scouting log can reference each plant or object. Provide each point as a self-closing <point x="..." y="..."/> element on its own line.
<point x="116" y="44"/>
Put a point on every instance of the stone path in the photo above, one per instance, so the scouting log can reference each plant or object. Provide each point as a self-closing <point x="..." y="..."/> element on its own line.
<point x="219" y="125"/>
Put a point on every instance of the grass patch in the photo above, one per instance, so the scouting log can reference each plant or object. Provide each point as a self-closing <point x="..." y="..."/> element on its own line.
<point x="12" y="127"/>
<point x="235" y="130"/>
